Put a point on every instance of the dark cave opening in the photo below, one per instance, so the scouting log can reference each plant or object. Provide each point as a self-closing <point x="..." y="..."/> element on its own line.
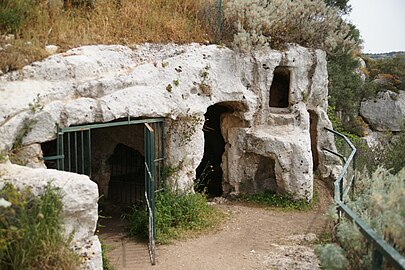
<point x="127" y="175"/>
<point x="313" y="124"/>
<point x="209" y="173"/>
<point x="280" y="88"/>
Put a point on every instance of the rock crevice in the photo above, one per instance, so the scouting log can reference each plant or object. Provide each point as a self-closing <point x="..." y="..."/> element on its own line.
<point x="95" y="84"/>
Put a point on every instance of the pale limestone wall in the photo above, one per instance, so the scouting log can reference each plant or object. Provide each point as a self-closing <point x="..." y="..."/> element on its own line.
<point x="79" y="198"/>
<point x="95" y="84"/>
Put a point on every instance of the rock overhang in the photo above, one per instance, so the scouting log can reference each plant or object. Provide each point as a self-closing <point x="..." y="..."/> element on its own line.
<point x="94" y="84"/>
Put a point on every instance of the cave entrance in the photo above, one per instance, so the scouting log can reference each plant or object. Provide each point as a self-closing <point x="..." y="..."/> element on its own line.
<point x="127" y="175"/>
<point x="113" y="155"/>
<point x="313" y="124"/>
<point x="209" y="173"/>
<point x="124" y="157"/>
<point x="280" y="88"/>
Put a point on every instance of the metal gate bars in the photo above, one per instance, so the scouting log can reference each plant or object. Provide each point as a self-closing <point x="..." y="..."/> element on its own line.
<point x="74" y="154"/>
<point x="154" y="176"/>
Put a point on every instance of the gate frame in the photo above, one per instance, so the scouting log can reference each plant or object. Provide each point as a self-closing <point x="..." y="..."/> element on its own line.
<point x="154" y="135"/>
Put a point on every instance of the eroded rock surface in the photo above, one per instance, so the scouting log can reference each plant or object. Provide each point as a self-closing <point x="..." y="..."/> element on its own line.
<point x="79" y="198"/>
<point x="272" y="108"/>
<point x="386" y="112"/>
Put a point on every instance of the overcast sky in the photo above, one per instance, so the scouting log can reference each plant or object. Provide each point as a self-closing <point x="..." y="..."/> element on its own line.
<point x="381" y="24"/>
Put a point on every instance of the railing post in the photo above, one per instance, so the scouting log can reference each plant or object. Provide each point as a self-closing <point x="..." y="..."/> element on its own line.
<point x="382" y="249"/>
<point x="377" y="260"/>
<point x="354" y="175"/>
<point x="219" y="18"/>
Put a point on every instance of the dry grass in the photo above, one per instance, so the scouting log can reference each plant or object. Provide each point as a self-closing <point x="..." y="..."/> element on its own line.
<point x="109" y="22"/>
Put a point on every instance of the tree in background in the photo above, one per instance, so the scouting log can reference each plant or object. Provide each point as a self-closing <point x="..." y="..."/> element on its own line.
<point x="342" y="5"/>
<point x="389" y="72"/>
<point x="310" y="23"/>
<point x="346" y="87"/>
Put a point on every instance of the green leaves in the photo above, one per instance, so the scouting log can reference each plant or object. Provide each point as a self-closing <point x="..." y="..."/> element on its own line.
<point x="31" y="231"/>
<point x="379" y="202"/>
<point x="275" y="23"/>
<point x="393" y="156"/>
<point x="176" y="213"/>
<point x="14" y="14"/>
<point x="270" y="199"/>
<point x="332" y="257"/>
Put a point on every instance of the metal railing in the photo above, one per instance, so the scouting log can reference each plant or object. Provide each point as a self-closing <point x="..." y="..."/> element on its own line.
<point x="343" y="184"/>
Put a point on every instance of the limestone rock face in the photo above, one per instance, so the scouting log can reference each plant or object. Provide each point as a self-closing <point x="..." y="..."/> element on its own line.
<point x="269" y="108"/>
<point x="30" y="155"/>
<point x="386" y="112"/>
<point x="79" y="198"/>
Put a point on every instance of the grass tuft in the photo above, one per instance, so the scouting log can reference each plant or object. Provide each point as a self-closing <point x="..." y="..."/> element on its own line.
<point x="31" y="231"/>
<point x="284" y="202"/>
<point x="177" y="215"/>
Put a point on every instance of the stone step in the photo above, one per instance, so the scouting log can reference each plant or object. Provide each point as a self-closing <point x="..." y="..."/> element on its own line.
<point x="281" y="119"/>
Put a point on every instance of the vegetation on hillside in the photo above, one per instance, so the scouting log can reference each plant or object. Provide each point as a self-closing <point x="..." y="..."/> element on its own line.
<point x="377" y="56"/>
<point x="347" y="88"/>
<point x="36" y="23"/>
<point x="389" y="72"/>
<point x="310" y="23"/>
<point x="380" y="202"/>
<point x="27" y="26"/>
<point x="31" y="231"/>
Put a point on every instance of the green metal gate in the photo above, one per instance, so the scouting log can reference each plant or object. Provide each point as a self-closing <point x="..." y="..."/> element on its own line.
<point x="73" y="154"/>
<point x="149" y="187"/>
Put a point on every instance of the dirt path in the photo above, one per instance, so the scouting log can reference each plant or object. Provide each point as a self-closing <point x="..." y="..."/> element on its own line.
<point x="251" y="238"/>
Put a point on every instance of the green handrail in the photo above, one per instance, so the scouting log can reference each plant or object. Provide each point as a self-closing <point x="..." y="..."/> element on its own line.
<point x="382" y="248"/>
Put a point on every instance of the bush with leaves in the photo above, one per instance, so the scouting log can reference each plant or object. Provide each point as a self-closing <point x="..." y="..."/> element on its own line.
<point x="175" y="213"/>
<point x="345" y="85"/>
<point x="31" y="231"/>
<point x="14" y="14"/>
<point x="310" y="23"/>
<point x="332" y="257"/>
<point x="379" y="202"/>
<point x="390" y="72"/>
<point x="393" y="154"/>
<point x="342" y="5"/>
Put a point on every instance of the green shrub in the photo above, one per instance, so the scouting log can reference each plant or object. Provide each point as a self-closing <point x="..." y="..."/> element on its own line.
<point x="310" y="23"/>
<point x="106" y="262"/>
<point x="176" y="213"/>
<point x="14" y="14"/>
<point x="270" y="199"/>
<point x="367" y="159"/>
<point x="31" y="231"/>
<point x="332" y="257"/>
<point x="345" y="85"/>
<point x="379" y="202"/>
<point x="393" y="154"/>
<point x="138" y="220"/>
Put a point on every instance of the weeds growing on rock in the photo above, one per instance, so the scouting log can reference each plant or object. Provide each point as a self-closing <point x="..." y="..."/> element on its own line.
<point x="31" y="231"/>
<point x="106" y="262"/>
